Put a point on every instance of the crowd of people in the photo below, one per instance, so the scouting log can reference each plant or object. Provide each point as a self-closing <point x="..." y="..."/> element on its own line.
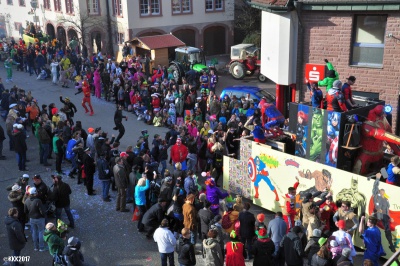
<point x="172" y="206"/>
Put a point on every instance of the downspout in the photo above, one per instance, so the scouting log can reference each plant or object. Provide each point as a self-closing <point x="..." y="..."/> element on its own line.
<point x="110" y="39"/>
<point x="300" y="47"/>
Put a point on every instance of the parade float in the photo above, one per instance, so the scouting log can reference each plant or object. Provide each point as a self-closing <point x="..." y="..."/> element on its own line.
<point x="341" y="152"/>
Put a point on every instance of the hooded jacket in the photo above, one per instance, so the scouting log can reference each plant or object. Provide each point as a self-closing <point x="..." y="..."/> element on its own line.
<point x="16" y="238"/>
<point x="56" y="243"/>
<point x="213" y="252"/>
<point x="34" y="208"/>
<point x="60" y="195"/>
<point x="262" y="250"/>
<point x="293" y="249"/>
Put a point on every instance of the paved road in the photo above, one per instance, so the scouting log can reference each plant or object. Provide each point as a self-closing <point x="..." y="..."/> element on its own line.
<point x="108" y="237"/>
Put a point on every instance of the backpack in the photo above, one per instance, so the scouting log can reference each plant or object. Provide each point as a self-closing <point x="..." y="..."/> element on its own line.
<point x="226" y="221"/>
<point x="219" y="158"/>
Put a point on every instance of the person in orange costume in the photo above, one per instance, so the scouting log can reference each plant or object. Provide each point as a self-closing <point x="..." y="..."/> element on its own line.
<point x="289" y="211"/>
<point x="86" y="97"/>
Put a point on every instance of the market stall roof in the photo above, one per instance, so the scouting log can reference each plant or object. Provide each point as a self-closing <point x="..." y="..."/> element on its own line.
<point x="157" y="41"/>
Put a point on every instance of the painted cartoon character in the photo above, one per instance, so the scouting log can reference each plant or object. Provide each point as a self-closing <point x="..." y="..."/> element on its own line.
<point x="352" y="194"/>
<point x="257" y="170"/>
<point x="332" y="139"/>
<point x="301" y="132"/>
<point x="316" y="135"/>
<point x="381" y="211"/>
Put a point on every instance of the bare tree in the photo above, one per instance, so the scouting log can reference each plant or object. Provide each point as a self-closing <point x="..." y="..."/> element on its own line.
<point x="247" y="20"/>
<point x="83" y="23"/>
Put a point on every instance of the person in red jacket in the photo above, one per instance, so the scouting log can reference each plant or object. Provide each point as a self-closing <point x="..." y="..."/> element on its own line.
<point x="289" y="212"/>
<point x="86" y="97"/>
<point x="155" y="102"/>
<point x="179" y="153"/>
<point x="328" y="209"/>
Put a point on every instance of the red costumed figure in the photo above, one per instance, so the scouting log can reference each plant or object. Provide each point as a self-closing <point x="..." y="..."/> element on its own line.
<point x="289" y="210"/>
<point x="179" y="153"/>
<point x="271" y="116"/>
<point x="234" y="251"/>
<point x="375" y="130"/>
<point x="96" y="82"/>
<point x="86" y="97"/>
<point x="328" y="209"/>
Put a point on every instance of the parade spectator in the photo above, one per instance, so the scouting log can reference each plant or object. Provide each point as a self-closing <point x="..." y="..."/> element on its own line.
<point x="214" y="254"/>
<point x="186" y="252"/>
<point x="140" y="199"/>
<point x="312" y="246"/>
<point x="89" y="168"/>
<point x="54" y="241"/>
<point x="262" y="249"/>
<point x="345" y="259"/>
<point x="61" y="197"/>
<point x="42" y="189"/>
<point x="247" y="221"/>
<point x="153" y="217"/>
<point x="16" y="237"/>
<point x="206" y="217"/>
<point x="235" y="251"/>
<point x="166" y="243"/>
<point x="121" y="182"/>
<point x="344" y="239"/>
<point x="103" y="171"/>
<point x="322" y="257"/>
<point x="36" y="213"/>
<point x="292" y="247"/>
<point x="19" y="145"/>
<point x="190" y="217"/>
<point x="72" y="253"/>
<point x="179" y="153"/>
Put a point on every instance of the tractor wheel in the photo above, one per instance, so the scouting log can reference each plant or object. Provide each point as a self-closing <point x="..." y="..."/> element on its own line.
<point x="237" y="70"/>
<point x="176" y="73"/>
<point x="262" y="78"/>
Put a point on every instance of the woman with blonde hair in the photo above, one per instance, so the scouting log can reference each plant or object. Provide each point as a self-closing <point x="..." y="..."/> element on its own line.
<point x="140" y="198"/>
<point x="322" y="257"/>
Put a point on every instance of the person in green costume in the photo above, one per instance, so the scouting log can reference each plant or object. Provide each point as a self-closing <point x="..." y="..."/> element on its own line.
<point x="8" y="65"/>
<point x="331" y="76"/>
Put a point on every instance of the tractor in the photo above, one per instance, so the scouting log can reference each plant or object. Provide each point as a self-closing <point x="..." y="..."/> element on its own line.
<point x="245" y="61"/>
<point x="189" y="62"/>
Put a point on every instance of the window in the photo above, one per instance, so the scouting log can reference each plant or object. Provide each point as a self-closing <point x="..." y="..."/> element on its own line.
<point x="181" y="6"/>
<point x="150" y="7"/>
<point x="57" y="5"/>
<point x="10" y="2"/>
<point x="46" y="4"/>
<point x="214" y="5"/>
<point x="22" y="2"/>
<point x="368" y="40"/>
<point x="117" y="5"/>
<point x="120" y="38"/>
<point x="93" y="7"/>
<point x="69" y="6"/>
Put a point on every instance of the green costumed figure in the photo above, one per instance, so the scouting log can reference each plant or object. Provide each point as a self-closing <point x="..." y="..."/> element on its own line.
<point x="331" y="76"/>
<point x="8" y="65"/>
<point x="316" y="134"/>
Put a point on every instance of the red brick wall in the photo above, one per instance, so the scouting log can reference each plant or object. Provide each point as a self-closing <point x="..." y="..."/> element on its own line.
<point x="328" y="35"/>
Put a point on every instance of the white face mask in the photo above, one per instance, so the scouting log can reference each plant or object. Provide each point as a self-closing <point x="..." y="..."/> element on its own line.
<point x="291" y="196"/>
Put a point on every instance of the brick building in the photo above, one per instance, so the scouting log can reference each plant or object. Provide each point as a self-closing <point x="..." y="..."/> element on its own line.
<point x="361" y="38"/>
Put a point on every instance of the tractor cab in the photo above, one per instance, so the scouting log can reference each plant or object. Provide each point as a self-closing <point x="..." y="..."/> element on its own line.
<point x="187" y="58"/>
<point x="243" y="51"/>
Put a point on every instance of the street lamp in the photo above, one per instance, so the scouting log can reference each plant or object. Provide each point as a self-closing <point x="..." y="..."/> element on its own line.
<point x="34" y="6"/>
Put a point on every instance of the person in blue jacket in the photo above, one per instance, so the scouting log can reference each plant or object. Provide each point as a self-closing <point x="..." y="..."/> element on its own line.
<point x="140" y="198"/>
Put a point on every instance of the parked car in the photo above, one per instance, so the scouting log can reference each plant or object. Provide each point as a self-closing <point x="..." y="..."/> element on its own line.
<point x="255" y="93"/>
